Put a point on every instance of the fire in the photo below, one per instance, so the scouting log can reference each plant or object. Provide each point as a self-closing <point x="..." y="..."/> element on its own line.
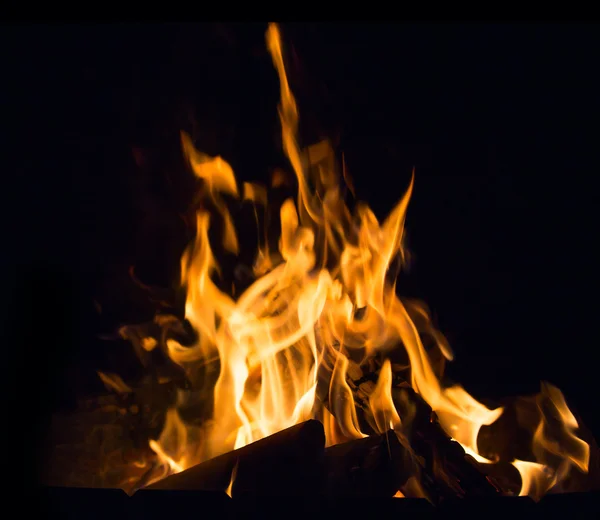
<point x="322" y="308"/>
<point x="555" y="446"/>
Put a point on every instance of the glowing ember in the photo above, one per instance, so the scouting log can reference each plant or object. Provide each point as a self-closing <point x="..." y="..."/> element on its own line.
<point x="322" y="309"/>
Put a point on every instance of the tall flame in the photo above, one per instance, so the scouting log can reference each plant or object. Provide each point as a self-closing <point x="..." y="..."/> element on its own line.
<point x="321" y="309"/>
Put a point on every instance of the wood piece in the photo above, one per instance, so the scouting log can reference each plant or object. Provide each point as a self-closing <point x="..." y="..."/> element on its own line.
<point x="508" y="439"/>
<point x="443" y="469"/>
<point x="286" y="463"/>
<point x="375" y="466"/>
<point x="446" y="471"/>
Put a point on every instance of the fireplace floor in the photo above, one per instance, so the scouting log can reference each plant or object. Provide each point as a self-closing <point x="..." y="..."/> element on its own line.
<point x="113" y="504"/>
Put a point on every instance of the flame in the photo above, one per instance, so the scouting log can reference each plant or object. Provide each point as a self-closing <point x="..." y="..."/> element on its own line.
<point x="229" y="489"/>
<point x="115" y="382"/>
<point x="321" y="312"/>
<point x="555" y="446"/>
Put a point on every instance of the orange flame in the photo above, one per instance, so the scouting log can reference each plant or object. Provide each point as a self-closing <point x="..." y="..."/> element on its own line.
<point x="321" y="308"/>
<point x="555" y="446"/>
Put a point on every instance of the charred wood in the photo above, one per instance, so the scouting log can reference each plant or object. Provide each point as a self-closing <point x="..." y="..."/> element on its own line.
<point x="375" y="466"/>
<point x="447" y="471"/>
<point x="443" y="468"/>
<point x="286" y="463"/>
<point x="510" y="438"/>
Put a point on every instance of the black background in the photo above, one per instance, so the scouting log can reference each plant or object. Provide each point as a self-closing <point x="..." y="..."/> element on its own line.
<point x="500" y="122"/>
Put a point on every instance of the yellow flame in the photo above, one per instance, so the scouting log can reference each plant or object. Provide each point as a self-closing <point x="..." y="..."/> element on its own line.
<point x="322" y="309"/>
<point x="555" y="446"/>
<point x="115" y="382"/>
<point x="232" y="479"/>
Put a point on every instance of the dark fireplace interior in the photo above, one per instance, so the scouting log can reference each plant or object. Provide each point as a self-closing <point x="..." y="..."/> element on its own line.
<point x="499" y="122"/>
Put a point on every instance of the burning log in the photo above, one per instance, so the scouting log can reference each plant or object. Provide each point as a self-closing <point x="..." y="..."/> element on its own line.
<point x="286" y="463"/>
<point x="374" y="466"/>
<point x="446" y="471"/>
<point x="512" y="438"/>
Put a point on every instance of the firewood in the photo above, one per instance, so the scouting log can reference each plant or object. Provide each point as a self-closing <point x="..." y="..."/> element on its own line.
<point x="286" y="463"/>
<point x="507" y="440"/>
<point x="375" y="466"/>
<point x="446" y="470"/>
<point x="443" y="469"/>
